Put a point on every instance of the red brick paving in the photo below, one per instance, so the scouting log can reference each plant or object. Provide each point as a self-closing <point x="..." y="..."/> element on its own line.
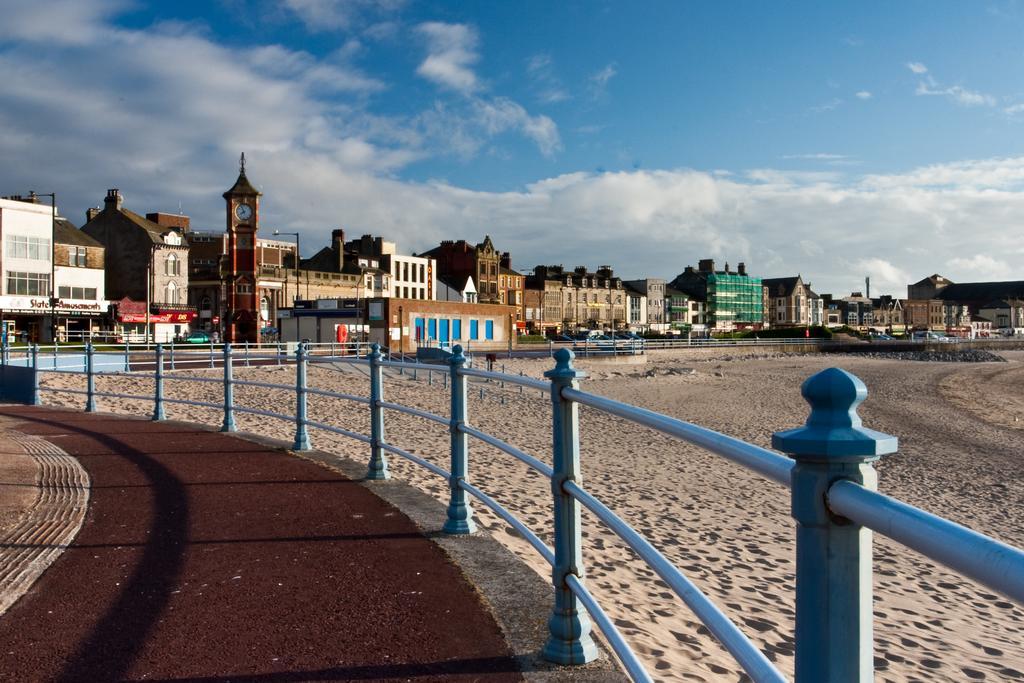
<point x="208" y="557"/>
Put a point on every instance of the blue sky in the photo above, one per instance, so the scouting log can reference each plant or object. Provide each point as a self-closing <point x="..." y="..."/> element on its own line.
<point x="835" y="140"/>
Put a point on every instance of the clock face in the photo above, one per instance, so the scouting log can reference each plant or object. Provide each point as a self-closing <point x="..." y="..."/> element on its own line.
<point x="243" y="212"/>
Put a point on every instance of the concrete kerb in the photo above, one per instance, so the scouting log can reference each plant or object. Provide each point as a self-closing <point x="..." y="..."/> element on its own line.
<point x="517" y="596"/>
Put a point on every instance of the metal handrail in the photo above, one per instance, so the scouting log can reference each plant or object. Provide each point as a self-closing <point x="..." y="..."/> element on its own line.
<point x="832" y="439"/>
<point x="734" y="640"/>
<point x="398" y="407"/>
<point x="767" y="463"/>
<point x="986" y="560"/>
<point x="440" y="471"/>
<point x="508" y="379"/>
<point x="533" y="462"/>
<point x="622" y="650"/>
<point x="524" y="530"/>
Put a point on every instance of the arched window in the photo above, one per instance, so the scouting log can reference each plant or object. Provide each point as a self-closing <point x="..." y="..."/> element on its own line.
<point x="171" y="265"/>
<point x="205" y="304"/>
<point x="171" y="293"/>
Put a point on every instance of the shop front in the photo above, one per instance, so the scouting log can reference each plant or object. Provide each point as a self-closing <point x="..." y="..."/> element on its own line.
<point x="165" y="322"/>
<point x="34" y="319"/>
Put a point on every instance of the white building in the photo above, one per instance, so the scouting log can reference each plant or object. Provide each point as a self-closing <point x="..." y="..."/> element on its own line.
<point x="47" y="288"/>
<point x="412" y="277"/>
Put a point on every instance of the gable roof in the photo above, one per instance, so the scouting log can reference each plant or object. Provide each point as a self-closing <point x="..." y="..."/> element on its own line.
<point x="65" y="232"/>
<point x="780" y="286"/>
<point x="982" y="291"/>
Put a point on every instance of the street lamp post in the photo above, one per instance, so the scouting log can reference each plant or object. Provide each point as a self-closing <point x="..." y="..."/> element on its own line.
<point x="53" y="267"/>
<point x="298" y="251"/>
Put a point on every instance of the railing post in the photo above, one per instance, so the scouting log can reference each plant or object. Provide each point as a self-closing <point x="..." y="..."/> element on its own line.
<point x="158" y="381"/>
<point x="278" y="353"/>
<point x="229" y="392"/>
<point x="212" y="364"/>
<point x="172" y="356"/>
<point x="127" y="355"/>
<point x="90" y="380"/>
<point x="833" y="555"/>
<point x="569" y="625"/>
<point x="35" y="376"/>
<point x="460" y="514"/>
<point x="378" y="467"/>
<point x="301" y="432"/>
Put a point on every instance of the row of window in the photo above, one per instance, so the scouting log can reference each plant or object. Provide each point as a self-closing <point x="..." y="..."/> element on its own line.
<point x="28" y="284"/>
<point x="76" y="257"/>
<point x="409" y="272"/>
<point x="414" y="293"/>
<point x="76" y="292"/>
<point x="35" y="248"/>
<point x="450" y="329"/>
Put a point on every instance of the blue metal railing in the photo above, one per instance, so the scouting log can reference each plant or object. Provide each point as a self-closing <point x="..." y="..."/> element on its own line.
<point x="830" y="475"/>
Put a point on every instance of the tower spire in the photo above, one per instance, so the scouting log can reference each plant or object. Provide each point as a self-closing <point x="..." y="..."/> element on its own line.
<point x="241" y="164"/>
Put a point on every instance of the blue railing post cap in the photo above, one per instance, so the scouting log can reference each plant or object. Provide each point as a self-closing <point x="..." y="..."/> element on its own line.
<point x="563" y="366"/>
<point x="457" y="356"/>
<point x="833" y="430"/>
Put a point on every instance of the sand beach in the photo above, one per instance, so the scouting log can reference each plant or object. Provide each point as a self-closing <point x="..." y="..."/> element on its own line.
<point x="961" y="431"/>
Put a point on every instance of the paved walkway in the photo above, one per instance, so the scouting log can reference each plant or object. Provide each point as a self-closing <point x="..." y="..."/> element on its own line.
<point x="204" y="556"/>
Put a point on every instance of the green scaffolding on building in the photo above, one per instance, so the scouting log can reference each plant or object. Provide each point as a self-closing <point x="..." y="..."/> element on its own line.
<point x="734" y="299"/>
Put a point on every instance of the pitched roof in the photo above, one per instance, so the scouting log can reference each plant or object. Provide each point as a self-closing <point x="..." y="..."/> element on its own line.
<point x="242" y="186"/>
<point x="780" y="286"/>
<point x="982" y="291"/>
<point x="65" y="232"/>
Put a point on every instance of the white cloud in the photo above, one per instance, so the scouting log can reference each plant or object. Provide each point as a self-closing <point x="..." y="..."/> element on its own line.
<point x="335" y="15"/>
<point x="885" y="277"/>
<point x="960" y="95"/>
<point x="169" y="130"/>
<point x="917" y="67"/>
<point x="546" y="85"/>
<point x="982" y="267"/>
<point x="863" y="95"/>
<point x="597" y="83"/>
<point x="452" y="50"/>
<point x="832" y="104"/>
<point x="823" y="156"/>
<point x="1015" y="109"/>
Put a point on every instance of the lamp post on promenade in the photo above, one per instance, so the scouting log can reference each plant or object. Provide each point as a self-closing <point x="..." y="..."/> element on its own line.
<point x="298" y="257"/>
<point x="53" y="267"/>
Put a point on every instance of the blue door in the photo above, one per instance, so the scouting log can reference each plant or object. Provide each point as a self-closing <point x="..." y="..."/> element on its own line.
<point x="432" y="329"/>
<point x="456" y="329"/>
<point x="489" y="329"/>
<point x="419" y="330"/>
<point x="443" y="336"/>
<point x="474" y="329"/>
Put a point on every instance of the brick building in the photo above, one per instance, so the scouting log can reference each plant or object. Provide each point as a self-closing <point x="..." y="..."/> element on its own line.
<point x="458" y="260"/>
<point x="145" y="262"/>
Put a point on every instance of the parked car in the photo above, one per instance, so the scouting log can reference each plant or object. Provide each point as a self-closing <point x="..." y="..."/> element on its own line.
<point x="882" y="337"/>
<point x="197" y="337"/>
<point x="562" y="339"/>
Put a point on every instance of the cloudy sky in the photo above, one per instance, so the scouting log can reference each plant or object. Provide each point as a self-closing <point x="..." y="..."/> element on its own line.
<point x="834" y="140"/>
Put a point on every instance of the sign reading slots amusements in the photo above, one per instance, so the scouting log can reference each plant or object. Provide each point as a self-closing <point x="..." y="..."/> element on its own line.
<point x="38" y="305"/>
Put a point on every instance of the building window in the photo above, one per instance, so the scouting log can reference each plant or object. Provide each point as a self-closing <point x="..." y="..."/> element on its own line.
<point x="76" y="257"/>
<point x="171" y="265"/>
<point x="76" y="292"/>
<point x="240" y="288"/>
<point x="171" y="293"/>
<point x="32" y="284"/>
<point x="35" y="248"/>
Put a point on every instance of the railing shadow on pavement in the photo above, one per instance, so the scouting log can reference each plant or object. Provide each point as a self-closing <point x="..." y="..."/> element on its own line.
<point x="829" y="471"/>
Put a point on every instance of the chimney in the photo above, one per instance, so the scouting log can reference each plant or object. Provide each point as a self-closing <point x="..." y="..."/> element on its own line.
<point x="338" y="244"/>
<point x="113" y="199"/>
<point x="867" y="287"/>
<point x="741" y="269"/>
<point x="706" y="265"/>
<point x="505" y="261"/>
<point x="726" y="267"/>
<point x="91" y="213"/>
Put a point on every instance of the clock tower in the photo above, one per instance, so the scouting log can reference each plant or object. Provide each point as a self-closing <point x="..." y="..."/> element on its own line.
<point x="242" y="318"/>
